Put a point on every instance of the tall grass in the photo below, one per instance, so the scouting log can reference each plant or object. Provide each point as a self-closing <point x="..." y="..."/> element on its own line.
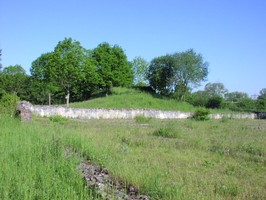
<point x="34" y="166"/>
<point x="215" y="159"/>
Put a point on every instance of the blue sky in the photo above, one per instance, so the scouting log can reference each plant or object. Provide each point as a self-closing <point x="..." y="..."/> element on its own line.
<point x="230" y="34"/>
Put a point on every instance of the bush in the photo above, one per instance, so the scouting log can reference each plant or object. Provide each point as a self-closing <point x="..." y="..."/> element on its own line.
<point x="8" y="104"/>
<point x="214" y="102"/>
<point x="167" y="132"/>
<point x="201" y="114"/>
<point x="199" y="98"/>
<point x="58" y="119"/>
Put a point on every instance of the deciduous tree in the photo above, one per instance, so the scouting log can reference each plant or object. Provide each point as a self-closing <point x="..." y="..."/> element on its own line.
<point x="13" y="79"/>
<point x="139" y="68"/>
<point x="177" y="73"/>
<point x="69" y="69"/>
<point x="113" y="67"/>
<point x="215" y="89"/>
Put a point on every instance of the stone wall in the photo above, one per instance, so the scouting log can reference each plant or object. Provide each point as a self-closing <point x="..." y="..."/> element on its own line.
<point x="105" y="113"/>
<point x="47" y="111"/>
<point x="234" y="115"/>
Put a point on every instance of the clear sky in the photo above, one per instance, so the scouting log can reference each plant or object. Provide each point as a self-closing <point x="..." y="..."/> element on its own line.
<point x="230" y="34"/>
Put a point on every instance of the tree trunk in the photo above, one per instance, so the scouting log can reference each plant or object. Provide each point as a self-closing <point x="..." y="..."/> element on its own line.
<point x="49" y="99"/>
<point x="67" y="98"/>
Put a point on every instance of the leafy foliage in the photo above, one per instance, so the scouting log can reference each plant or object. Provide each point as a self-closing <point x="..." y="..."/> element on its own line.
<point x="139" y="68"/>
<point x="262" y="94"/>
<point x="8" y="104"/>
<point x="215" y="89"/>
<point x="214" y="102"/>
<point x="58" y="119"/>
<point x="69" y="69"/>
<point x="13" y="80"/>
<point x="201" y="114"/>
<point x="176" y="73"/>
<point x="112" y="65"/>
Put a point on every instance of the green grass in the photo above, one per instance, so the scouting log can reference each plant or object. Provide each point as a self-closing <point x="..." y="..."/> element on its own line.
<point x="133" y="98"/>
<point x="34" y="165"/>
<point x="215" y="159"/>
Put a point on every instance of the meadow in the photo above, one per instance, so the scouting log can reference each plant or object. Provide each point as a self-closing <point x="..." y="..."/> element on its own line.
<point x="165" y="159"/>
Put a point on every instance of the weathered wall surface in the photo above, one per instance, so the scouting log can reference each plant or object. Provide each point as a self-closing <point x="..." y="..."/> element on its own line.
<point x="106" y="113"/>
<point x="234" y="115"/>
<point x="47" y="111"/>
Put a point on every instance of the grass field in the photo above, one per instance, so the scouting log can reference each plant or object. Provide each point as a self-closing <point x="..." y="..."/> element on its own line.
<point x="181" y="159"/>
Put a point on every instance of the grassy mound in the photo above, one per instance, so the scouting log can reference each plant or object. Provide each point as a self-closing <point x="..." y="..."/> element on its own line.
<point x="133" y="99"/>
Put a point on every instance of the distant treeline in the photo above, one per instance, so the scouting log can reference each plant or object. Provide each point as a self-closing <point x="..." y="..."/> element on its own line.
<point x="72" y="72"/>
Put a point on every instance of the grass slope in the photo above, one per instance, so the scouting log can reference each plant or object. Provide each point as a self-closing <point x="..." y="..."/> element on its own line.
<point x="132" y="98"/>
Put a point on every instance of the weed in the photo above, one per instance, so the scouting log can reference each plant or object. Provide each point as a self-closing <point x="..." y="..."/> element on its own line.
<point x="201" y="114"/>
<point x="167" y="132"/>
<point x="58" y="119"/>
<point x="227" y="189"/>
<point x="252" y="149"/>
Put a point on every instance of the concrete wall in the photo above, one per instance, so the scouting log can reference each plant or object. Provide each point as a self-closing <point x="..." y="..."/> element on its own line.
<point x="79" y="113"/>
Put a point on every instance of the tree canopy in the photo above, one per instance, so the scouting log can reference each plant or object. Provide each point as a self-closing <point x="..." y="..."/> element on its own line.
<point x="262" y="94"/>
<point x="177" y="73"/>
<point x="139" y="68"/>
<point x="13" y="79"/>
<point x="215" y="89"/>
<point x="73" y="71"/>
<point x="112" y="65"/>
<point x="68" y="70"/>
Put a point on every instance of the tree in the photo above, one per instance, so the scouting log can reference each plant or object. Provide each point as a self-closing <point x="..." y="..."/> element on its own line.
<point x="262" y="94"/>
<point x="68" y="70"/>
<point x="189" y="70"/>
<point x="42" y="84"/>
<point x="235" y="96"/>
<point x="239" y="101"/>
<point x="199" y="98"/>
<point x="261" y="100"/>
<point x="160" y="74"/>
<point x="215" y="89"/>
<point x="113" y="67"/>
<point x="139" y="68"/>
<point x="177" y="73"/>
<point x="13" y="80"/>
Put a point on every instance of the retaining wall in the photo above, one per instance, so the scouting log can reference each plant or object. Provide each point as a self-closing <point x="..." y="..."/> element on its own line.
<point x="106" y="113"/>
<point x="47" y="111"/>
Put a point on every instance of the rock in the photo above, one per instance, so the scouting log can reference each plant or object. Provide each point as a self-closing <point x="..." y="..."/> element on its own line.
<point x="107" y="186"/>
<point x="24" y="112"/>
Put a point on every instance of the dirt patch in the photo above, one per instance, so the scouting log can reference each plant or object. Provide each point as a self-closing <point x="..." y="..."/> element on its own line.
<point x="106" y="185"/>
<point x="103" y="183"/>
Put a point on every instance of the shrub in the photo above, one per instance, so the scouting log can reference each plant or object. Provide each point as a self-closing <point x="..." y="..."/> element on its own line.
<point x="8" y="104"/>
<point x="201" y="114"/>
<point x="58" y="119"/>
<point x="167" y="132"/>
<point x="214" y="102"/>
